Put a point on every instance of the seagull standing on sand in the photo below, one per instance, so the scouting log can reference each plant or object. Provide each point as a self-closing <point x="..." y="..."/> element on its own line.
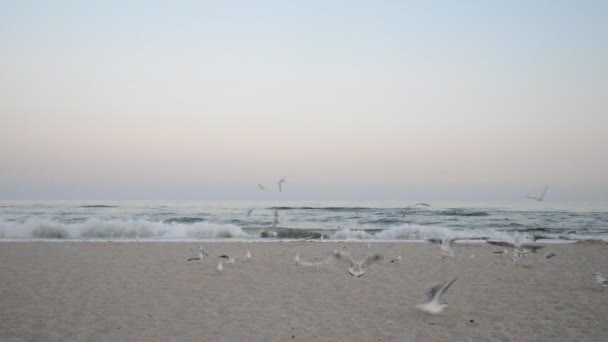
<point x="248" y="256"/>
<point x="540" y="197"/>
<point x="397" y="259"/>
<point x="357" y="268"/>
<point x="219" y="267"/>
<point x="201" y="255"/>
<point x="598" y="279"/>
<point x="434" y="306"/>
<point x="281" y="181"/>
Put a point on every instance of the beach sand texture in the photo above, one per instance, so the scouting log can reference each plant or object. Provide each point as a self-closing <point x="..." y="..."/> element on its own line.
<point x="76" y="291"/>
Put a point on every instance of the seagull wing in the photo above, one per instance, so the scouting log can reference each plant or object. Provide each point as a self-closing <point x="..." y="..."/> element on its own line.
<point x="445" y="287"/>
<point x="432" y="290"/>
<point x="542" y="194"/>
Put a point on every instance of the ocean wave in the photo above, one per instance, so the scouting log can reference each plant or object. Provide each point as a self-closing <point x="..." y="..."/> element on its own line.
<point x="184" y="220"/>
<point x="98" y="206"/>
<point x="36" y="228"/>
<point x="462" y="212"/>
<point x="321" y="208"/>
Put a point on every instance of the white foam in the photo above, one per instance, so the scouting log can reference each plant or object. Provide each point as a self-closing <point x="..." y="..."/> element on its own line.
<point x="38" y="228"/>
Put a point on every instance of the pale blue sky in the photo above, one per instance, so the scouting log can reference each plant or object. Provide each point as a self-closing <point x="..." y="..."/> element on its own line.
<point x="348" y="99"/>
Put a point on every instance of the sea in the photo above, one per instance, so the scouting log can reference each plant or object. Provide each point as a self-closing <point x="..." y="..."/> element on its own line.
<point x="158" y="221"/>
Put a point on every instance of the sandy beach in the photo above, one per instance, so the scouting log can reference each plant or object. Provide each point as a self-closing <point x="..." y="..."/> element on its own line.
<point x="77" y="291"/>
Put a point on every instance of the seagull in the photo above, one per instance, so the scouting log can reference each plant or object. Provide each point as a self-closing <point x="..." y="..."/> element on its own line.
<point x="201" y="255"/>
<point x="598" y="279"/>
<point x="550" y="255"/>
<point x="219" y="267"/>
<point x="300" y="262"/>
<point x="517" y="248"/>
<point x="445" y="246"/>
<point x="281" y="181"/>
<point x="248" y="255"/>
<point x="249" y="211"/>
<point x="261" y="187"/>
<point x="433" y="306"/>
<point x="540" y="197"/>
<point x="229" y="259"/>
<point x="397" y="259"/>
<point x="357" y="268"/>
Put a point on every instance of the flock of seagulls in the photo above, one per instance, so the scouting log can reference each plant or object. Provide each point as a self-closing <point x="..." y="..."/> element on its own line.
<point x="358" y="268"/>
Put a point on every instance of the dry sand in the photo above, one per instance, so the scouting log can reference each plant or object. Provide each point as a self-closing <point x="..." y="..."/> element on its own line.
<point x="149" y="292"/>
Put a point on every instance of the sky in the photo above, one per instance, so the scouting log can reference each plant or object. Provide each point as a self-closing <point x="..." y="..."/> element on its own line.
<point x="446" y="100"/>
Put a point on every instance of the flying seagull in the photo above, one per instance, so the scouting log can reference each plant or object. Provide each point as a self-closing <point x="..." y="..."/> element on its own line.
<point x="517" y="248"/>
<point x="316" y="264"/>
<point x="249" y="211"/>
<point x="201" y="255"/>
<point x="229" y="259"/>
<point x="540" y="197"/>
<point x="598" y="279"/>
<point x="281" y="181"/>
<point x="261" y="187"/>
<point x="434" y="306"/>
<point x="445" y="246"/>
<point x="357" y="268"/>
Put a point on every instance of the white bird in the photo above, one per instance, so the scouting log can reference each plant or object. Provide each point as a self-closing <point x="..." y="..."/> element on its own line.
<point x="550" y="255"/>
<point x="357" y="268"/>
<point x="397" y="259"/>
<point x="540" y="197"/>
<point x="281" y="181"/>
<point x="316" y="264"/>
<point x="598" y="279"/>
<point x="231" y="260"/>
<point x="201" y="255"/>
<point x="434" y="306"/>
<point x="445" y="246"/>
<point x="248" y="255"/>
<point x="219" y="267"/>
<point x="518" y="249"/>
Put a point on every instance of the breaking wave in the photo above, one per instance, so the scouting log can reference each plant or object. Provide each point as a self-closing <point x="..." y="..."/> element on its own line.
<point x="116" y="229"/>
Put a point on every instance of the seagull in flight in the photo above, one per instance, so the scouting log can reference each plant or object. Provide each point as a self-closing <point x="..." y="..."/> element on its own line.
<point x="540" y="197"/>
<point x="250" y="211"/>
<point x="357" y="268"/>
<point x="445" y="246"/>
<point x="519" y="250"/>
<point x="201" y="255"/>
<point x="317" y="264"/>
<point x="281" y="181"/>
<point x="434" y="306"/>
<point x="229" y="259"/>
<point x="261" y="187"/>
